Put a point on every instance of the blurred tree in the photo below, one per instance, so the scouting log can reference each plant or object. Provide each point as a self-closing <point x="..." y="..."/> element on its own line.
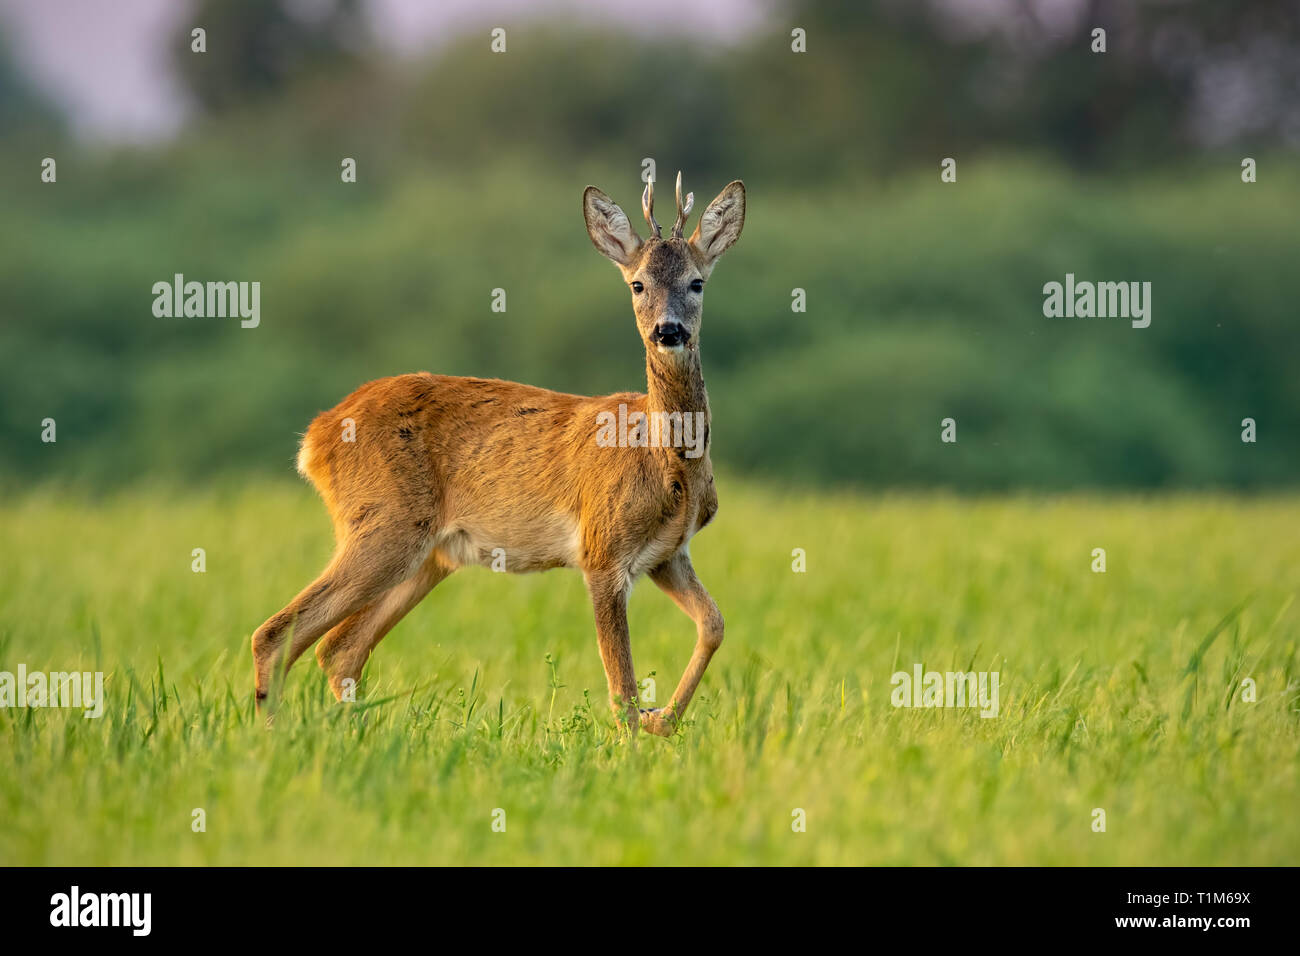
<point x="946" y="74"/>
<point x="925" y="299"/>
<point x="258" y="47"/>
<point x="22" y="109"/>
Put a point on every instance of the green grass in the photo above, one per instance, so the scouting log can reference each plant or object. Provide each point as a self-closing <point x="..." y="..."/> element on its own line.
<point x="1118" y="691"/>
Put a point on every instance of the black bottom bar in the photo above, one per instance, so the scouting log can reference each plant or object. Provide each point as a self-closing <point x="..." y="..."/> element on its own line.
<point x="263" y="906"/>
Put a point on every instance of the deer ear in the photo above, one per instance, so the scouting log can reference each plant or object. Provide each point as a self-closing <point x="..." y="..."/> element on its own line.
<point x="610" y="231"/>
<point x="721" y="223"/>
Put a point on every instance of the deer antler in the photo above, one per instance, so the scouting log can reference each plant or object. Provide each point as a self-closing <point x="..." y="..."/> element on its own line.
<point x="648" y="207"/>
<point x="682" y="210"/>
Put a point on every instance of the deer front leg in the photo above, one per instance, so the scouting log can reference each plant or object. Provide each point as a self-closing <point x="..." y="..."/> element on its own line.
<point x="609" y="600"/>
<point x="676" y="578"/>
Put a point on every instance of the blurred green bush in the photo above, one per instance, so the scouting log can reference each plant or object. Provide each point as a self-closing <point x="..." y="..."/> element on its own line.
<point x="924" y="299"/>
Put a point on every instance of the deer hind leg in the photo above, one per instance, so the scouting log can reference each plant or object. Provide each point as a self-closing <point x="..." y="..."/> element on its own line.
<point x="676" y="578"/>
<point x="343" y="652"/>
<point x="364" y="567"/>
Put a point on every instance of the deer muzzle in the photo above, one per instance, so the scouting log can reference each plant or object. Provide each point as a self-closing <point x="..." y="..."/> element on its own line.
<point x="669" y="334"/>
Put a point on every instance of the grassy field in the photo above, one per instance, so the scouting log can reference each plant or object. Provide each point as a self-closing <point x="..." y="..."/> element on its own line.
<point x="1118" y="691"/>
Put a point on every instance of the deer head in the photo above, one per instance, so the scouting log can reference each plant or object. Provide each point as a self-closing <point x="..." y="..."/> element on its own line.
<point x="666" y="276"/>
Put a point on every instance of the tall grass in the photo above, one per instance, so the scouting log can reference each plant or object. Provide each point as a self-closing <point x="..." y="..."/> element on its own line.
<point x="1119" y="691"/>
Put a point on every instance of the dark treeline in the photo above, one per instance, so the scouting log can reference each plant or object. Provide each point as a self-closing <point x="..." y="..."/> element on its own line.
<point x="924" y="299"/>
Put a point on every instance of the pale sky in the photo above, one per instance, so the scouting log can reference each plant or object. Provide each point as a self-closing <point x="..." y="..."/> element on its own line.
<point x="105" y="61"/>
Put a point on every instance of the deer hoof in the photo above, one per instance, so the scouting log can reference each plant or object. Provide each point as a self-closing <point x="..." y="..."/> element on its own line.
<point x="657" y="722"/>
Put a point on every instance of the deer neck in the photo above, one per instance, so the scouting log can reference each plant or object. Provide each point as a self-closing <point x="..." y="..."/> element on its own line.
<point x="675" y="383"/>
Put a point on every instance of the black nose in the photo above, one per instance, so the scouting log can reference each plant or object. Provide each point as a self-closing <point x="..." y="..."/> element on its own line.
<point x="669" y="333"/>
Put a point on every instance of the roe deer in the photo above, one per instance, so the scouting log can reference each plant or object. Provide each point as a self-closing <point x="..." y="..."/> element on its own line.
<point x="443" y="471"/>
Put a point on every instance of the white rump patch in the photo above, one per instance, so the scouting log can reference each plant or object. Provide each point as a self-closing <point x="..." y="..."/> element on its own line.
<point x="304" y="456"/>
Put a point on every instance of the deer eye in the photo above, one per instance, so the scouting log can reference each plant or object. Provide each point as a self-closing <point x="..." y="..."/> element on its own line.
<point x="638" y="288"/>
<point x="697" y="285"/>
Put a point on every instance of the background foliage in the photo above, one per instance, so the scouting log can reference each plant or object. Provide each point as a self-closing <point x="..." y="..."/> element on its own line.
<point x="924" y="299"/>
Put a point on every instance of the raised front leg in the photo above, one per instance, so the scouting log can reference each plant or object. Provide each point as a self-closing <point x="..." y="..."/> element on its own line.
<point x="676" y="578"/>
<point x="609" y="600"/>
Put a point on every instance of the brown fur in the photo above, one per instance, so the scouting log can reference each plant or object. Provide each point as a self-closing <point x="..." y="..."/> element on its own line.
<point x="444" y="470"/>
